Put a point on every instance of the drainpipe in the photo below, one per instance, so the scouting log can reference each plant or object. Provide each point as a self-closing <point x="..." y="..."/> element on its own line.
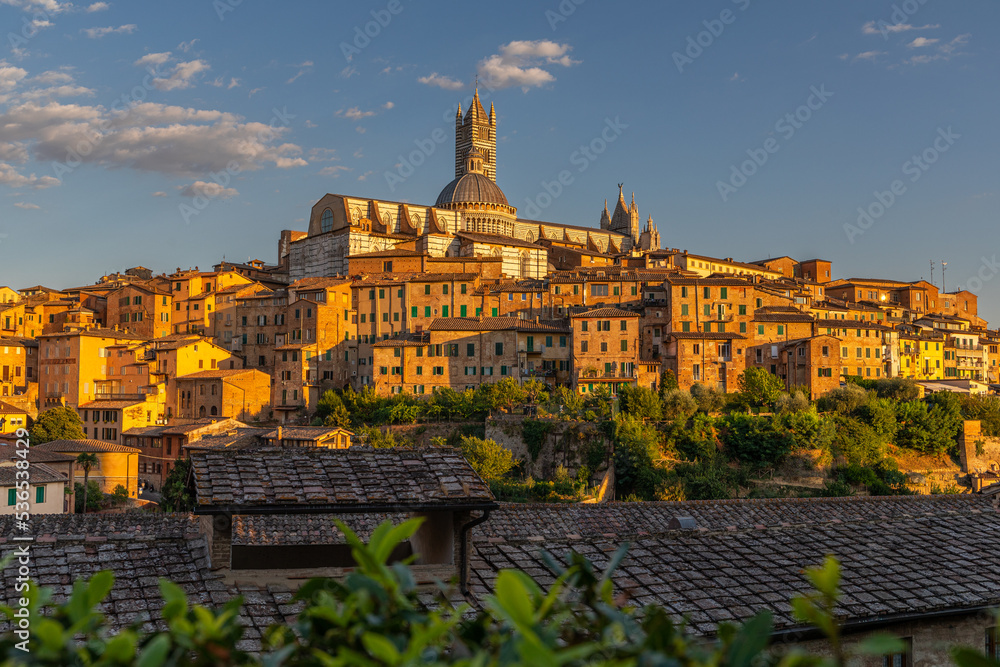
<point x="463" y="574"/>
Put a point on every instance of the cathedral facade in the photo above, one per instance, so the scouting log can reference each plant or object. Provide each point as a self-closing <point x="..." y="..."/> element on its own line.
<point x="471" y="217"/>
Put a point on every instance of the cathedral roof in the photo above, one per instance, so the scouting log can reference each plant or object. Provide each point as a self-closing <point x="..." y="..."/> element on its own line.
<point x="472" y="188"/>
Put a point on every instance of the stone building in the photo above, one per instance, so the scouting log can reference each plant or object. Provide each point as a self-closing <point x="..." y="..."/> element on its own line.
<point x="605" y="349"/>
<point x="471" y="218"/>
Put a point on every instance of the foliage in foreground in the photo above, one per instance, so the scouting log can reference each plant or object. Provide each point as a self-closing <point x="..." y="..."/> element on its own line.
<point x="376" y="617"/>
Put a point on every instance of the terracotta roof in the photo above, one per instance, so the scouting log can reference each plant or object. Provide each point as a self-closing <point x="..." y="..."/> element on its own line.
<point x="34" y="455"/>
<point x="607" y="312"/>
<point x="491" y="324"/>
<point x="796" y="316"/>
<point x="215" y="373"/>
<point x="79" y="446"/>
<point x="97" y="333"/>
<point x="40" y="474"/>
<point x="305" y="432"/>
<point x="705" y="335"/>
<point x="497" y="239"/>
<point x="8" y="409"/>
<point x="325" y="479"/>
<point x="219" y="423"/>
<point x="110" y="405"/>
<point x="712" y="282"/>
<point x="897" y="553"/>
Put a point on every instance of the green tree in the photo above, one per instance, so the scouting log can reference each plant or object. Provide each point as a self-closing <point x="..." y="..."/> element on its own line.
<point x="332" y="411"/>
<point x="489" y="459"/>
<point x="640" y="402"/>
<point x="176" y="496"/>
<point x="93" y="497"/>
<point x="86" y="460"/>
<point x="709" y="400"/>
<point x="759" y="388"/>
<point x="668" y="382"/>
<point x="59" y="423"/>
<point x="678" y="406"/>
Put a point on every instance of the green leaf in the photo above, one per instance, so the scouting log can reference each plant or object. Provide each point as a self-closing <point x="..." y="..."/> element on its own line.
<point x="381" y="648"/>
<point x="121" y="648"/>
<point x="967" y="657"/>
<point x="880" y="644"/>
<point x="154" y="654"/>
<point x="753" y="637"/>
<point x="99" y="586"/>
<point x="175" y="598"/>
<point x="514" y="599"/>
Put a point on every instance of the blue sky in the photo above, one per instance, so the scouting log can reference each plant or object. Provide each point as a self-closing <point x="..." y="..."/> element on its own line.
<point x="204" y="127"/>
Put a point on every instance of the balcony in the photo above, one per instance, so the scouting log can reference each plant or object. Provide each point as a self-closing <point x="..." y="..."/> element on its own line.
<point x="113" y="396"/>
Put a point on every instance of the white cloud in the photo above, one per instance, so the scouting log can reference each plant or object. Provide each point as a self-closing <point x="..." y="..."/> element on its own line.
<point x="147" y="137"/>
<point x="154" y="59"/>
<point x="26" y="206"/>
<point x="57" y="91"/>
<point x="877" y="28"/>
<point x="208" y="190"/>
<point x="354" y="113"/>
<point x="322" y="154"/>
<point x="921" y="42"/>
<point x="10" y="76"/>
<point x="388" y="105"/>
<point x="942" y="51"/>
<point x="522" y="63"/>
<point x="53" y="77"/>
<point x="441" y="81"/>
<point x="160" y="193"/>
<point x="11" y="177"/>
<point x="220" y="82"/>
<point x="348" y="72"/>
<point x="333" y="171"/>
<point x="365" y="175"/>
<point x="869" y="55"/>
<point x="187" y="46"/>
<point x="97" y="33"/>
<point x="181" y="76"/>
<point x="97" y="7"/>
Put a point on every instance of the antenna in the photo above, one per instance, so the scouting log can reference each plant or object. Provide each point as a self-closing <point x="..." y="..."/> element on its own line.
<point x="944" y="288"/>
<point x="932" y="271"/>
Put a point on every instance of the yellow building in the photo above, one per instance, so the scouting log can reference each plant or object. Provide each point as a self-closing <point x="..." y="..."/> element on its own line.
<point x="116" y="464"/>
<point x="193" y="297"/>
<point x="12" y="418"/>
<point x="920" y="358"/>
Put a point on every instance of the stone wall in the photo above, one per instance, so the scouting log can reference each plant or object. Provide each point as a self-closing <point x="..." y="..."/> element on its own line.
<point x="968" y="458"/>
<point x="566" y="444"/>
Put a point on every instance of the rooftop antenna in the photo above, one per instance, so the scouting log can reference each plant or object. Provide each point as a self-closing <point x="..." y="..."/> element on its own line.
<point x="944" y="289"/>
<point x="932" y="271"/>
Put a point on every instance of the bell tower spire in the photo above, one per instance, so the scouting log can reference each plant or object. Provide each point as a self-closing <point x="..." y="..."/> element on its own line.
<point x="476" y="130"/>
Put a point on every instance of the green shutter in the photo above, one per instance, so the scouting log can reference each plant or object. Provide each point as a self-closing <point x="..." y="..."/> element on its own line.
<point x="413" y="311"/>
<point x="39" y="494"/>
<point x="11" y="496"/>
<point x="462" y="309"/>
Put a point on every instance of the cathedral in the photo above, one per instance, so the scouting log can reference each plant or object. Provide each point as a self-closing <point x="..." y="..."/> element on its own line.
<point x="471" y="218"/>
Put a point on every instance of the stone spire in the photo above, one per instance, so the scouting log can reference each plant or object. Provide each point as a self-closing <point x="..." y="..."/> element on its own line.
<point x="605" y="217"/>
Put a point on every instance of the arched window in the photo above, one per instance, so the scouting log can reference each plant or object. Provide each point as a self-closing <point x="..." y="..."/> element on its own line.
<point x="326" y="222"/>
<point x="201" y="411"/>
<point x="215" y="411"/>
<point x="525" y="264"/>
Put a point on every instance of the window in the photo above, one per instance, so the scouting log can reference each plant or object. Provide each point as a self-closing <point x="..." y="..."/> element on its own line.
<point x="583" y="346"/>
<point x="444" y="311"/>
<point x="902" y="658"/>
<point x="326" y="221"/>
<point x="625" y="345"/>
<point x="685" y="326"/>
<point x="413" y="311"/>
<point x="445" y="288"/>
<point x="992" y="649"/>
<point x="498" y="348"/>
<point x="562" y="341"/>
<point x="624" y="325"/>
<point x="427" y="289"/>
<point x="743" y="310"/>
<point x="604" y="347"/>
<point x="548" y="341"/>
<point x="706" y="292"/>
<point x="470" y="349"/>
<point x="760" y="329"/>
<point x="427" y="311"/>
<point x="684" y="292"/>
<point x="598" y="290"/>
<point x="39" y="494"/>
<point x="462" y="288"/>
<point x="462" y="310"/>
<point x="723" y="292"/>
<point x="743" y="327"/>
<point x="684" y="310"/>
<point x="583" y="325"/>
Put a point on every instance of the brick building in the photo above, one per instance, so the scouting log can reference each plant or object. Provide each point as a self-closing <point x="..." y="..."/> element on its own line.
<point x="605" y="349"/>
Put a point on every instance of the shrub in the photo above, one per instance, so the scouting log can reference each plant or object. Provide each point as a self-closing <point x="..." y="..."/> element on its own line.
<point x="708" y="400"/>
<point x="534" y="433"/>
<point x="929" y="427"/>
<point x="489" y="459"/>
<point x="678" y="405"/>
<point x="640" y="403"/>
<point x="755" y="441"/>
<point x="794" y="402"/>
<point x="758" y="388"/>
<point x="842" y="400"/>
<point x="857" y="442"/>
<point x="59" y="423"/>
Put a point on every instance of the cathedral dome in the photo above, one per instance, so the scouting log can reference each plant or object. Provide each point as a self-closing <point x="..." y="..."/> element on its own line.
<point x="473" y="187"/>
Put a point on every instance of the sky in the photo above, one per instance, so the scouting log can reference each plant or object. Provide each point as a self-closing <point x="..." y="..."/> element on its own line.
<point x="176" y="134"/>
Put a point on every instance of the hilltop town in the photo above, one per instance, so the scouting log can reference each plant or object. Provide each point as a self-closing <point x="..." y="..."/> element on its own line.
<point x="454" y="362"/>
